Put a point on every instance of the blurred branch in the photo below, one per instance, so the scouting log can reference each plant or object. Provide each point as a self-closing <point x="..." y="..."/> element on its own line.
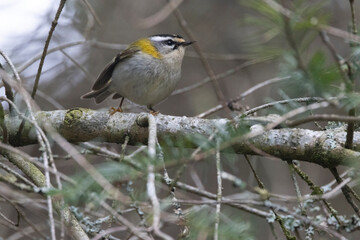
<point x="81" y="125"/>
<point x="183" y="24"/>
<point x="31" y="171"/>
<point x="208" y="79"/>
<point x="231" y="102"/>
<point x="287" y="101"/>
<point x="160" y="15"/>
<point x="150" y="185"/>
<point x="329" y="29"/>
<point x="219" y="194"/>
<point x="353" y="18"/>
<point x="346" y="191"/>
<point x="57" y="48"/>
<point x="323" y="117"/>
<point x="219" y="56"/>
<point x="120" y="47"/>
<point x="92" y="11"/>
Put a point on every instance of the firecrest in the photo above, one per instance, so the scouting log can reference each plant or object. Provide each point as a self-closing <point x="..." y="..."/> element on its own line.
<point x="145" y="73"/>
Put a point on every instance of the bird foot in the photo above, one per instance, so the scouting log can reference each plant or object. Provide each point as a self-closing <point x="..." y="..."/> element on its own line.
<point x="154" y="113"/>
<point x="113" y="110"/>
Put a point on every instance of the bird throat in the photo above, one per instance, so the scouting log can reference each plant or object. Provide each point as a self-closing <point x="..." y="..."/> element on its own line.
<point x="146" y="47"/>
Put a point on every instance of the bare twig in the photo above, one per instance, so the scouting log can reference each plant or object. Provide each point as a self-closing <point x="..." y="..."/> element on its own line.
<point x="323" y="117"/>
<point x="336" y="189"/>
<point x="26" y="219"/>
<point x="47" y="42"/>
<point x="346" y="191"/>
<point x="44" y="143"/>
<point x="219" y="191"/>
<point x="150" y="186"/>
<point x="259" y="182"/>
<point x="209" y="70"/>
<point x="89" y="77"/>
<point x="13" y="69"/>
<point x="329" y="29"/>
<point x="106" y="232"/>
<point x="242" y="96"/>
<point x="296" y="186"/>
<point x="8" y="169"/>
<point x="135" y="230"/>
<point x="159" y="16"/>
<point x="92" y="11"/>
<point x="255" y="211"/>
<point x="208" y="79"/>
<point x="353" y="18"/>
<point x="336" y="57"/>
<point x="54" y="49"/>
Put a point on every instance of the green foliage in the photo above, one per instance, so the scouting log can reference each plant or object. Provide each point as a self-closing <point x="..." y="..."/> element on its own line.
<point x="354" y="62"/>
<point x="351" y="100"/>
<point x="86" y="186"/>
<point x="323" y="76"/>
<point x="270" y="27"/>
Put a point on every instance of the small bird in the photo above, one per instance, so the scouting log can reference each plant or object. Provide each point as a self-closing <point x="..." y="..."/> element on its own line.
<point x="145" y="73"/>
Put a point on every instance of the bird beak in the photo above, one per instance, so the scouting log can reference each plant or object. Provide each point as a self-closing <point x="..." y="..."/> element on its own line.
<point x="185" y="44"/>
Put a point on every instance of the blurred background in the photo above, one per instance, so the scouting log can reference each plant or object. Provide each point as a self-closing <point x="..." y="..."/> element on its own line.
<point x="223" y="34"/>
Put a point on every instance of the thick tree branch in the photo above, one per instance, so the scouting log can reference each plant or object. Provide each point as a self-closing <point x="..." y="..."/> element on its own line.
<point x="81" y="125"/>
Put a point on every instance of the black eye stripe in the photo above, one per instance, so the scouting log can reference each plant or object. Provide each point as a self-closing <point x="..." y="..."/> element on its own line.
<point x="169" y="42"/>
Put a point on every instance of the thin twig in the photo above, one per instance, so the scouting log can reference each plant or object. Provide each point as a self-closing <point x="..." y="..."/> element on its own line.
<point x="32" y="60"/>
<point x="323" y="117"/>
<point x="47" y="42"/>
<point x="353" y="18"/>
<point x="150" y="186"/>
<point x="89" y="77"/>
<point x="219" y="191"/>
<point x="8" y="169"/>
<point x="135" y="230"/>
<point x="296" y="187"/>
<point x="259" y="182"/>
<point x="89" y="168"/>
<point x="159" y="16"/>
<point x="126" y="159"/>
<point x="205" y="63"/>
<point x="255" y="211"/>
<point x="43" y="142"/>
<point x="345" y="191"/>
<point x="325" y="38"/>
<point x="92" y="11"/>
<point x="13" y="69"/>
<point x="208" y="79"/>
<point x="26" y="219"/>
<point x="329" y="29"/>
<point x="241" y="96"/>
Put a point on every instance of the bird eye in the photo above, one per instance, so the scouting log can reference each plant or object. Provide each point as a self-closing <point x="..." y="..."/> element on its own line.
<point x="169" y="42"/>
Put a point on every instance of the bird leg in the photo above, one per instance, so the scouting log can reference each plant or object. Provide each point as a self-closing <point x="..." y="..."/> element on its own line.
<point x="152" y="111"/>
<point x="119" y="109"/>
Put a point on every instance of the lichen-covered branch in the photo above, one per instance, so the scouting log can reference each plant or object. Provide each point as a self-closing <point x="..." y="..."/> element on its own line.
<point x="325" y="148"/>
<point x="38" y="178"/>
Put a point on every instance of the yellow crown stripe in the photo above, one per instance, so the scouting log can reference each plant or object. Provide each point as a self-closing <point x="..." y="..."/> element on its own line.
<point x="145" y="46"/>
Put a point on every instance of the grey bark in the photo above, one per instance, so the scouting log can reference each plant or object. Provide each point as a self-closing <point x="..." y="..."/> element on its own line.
<point x="81" y="125"/>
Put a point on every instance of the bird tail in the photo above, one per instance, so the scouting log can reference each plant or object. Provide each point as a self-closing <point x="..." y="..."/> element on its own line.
<point x="99" y="95"/>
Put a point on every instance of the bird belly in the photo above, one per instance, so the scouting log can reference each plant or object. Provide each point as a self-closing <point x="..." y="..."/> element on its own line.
<point x="144" y="82"/>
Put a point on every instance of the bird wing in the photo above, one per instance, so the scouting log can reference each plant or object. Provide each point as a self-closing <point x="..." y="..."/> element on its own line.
<point x="105" y="76"/>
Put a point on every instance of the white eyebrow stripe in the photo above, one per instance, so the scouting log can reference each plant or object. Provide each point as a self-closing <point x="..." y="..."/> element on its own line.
<point x="160" y="38"/>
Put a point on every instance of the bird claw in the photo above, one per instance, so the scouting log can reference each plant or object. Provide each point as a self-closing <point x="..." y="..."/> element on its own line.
<point x="154" y="113"/>
<point x="113" y="110"/>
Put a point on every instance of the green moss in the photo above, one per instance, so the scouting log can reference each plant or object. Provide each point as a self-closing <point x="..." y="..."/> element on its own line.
<point x="73" y="115"/>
